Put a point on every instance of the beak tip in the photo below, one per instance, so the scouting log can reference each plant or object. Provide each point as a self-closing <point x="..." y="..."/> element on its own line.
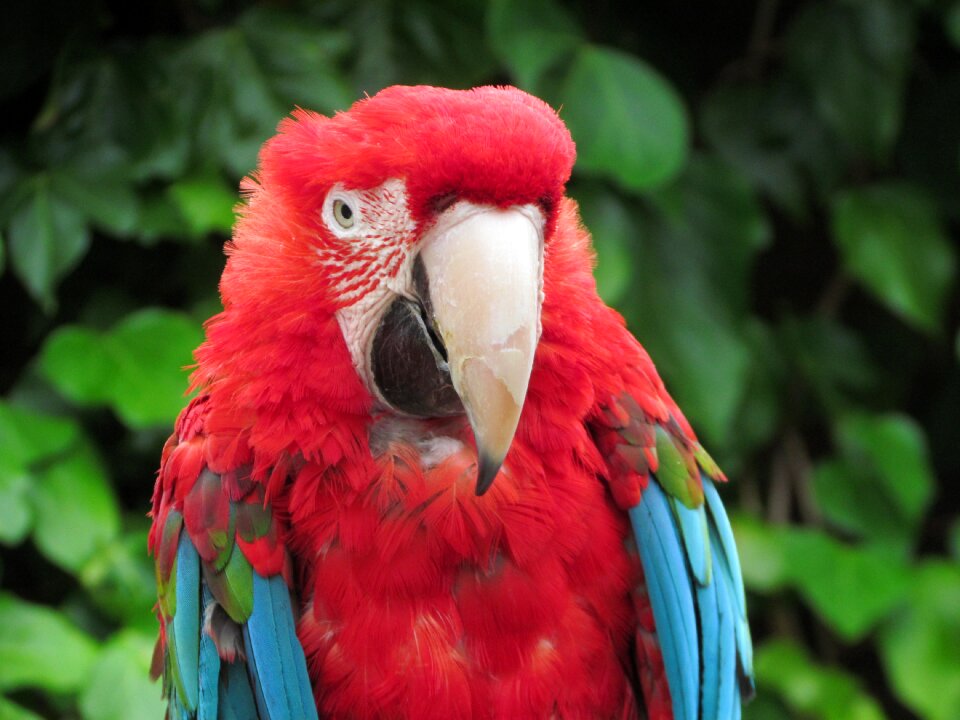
<point x="487" y="470"/>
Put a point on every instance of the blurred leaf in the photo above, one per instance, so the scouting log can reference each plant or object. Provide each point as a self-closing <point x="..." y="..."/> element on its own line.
<point x="11" y="711"/>
<point x="812" y="689"/>
<point x="111" y="204"/>
<point x="830" y="359"/>
<point x="919" y="645"/>
<point x="690" y="291"/>
<point x="120" y="687"/>
<point x="928" y="150"/>
<point x="28" y="441"/>
<point x="47" y="238"/>
<point x="627" y="120"/>
<point x="759" y="416"/>
<point x="299" y="57"/>
<point x="883" y="482"/>
<point x="136" y="367"/>
<point x="613" y="231"/>
<point x="27" y="437"/>
<point x="206" y="203"/>
<point x="530" y="36"/>
<point x="853" y="57"/>
<point x="714" y="206"/>
<point x="74" y="361"/>
<point x="234" y="84"/>
<point x="701" y="354"/>
<point x="952" y="23"/>
<point x="441" y="43"/>
<point x="76" y="510"/>
<point x="39" y="648"/>
<point x="760" y="131"/>
<point x="226" y="99"/>
<point x="160" y="217"/>
<point x="954" y="540"/>
<point x="16" y="514"/>
<point x="892" y="241"/>
<point x="850" y="587"/>
<point x="12" y="189"/>
<point x="764" y="707"/>
<point x="120" y="578"/>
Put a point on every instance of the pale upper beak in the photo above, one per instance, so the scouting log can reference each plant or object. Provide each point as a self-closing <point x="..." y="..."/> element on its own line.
<point x="484" y="267"/>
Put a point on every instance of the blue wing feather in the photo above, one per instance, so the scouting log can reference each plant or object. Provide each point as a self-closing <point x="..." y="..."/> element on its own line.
<point x="185" y="640"/>
<point x="696" y="595"/>
<point x="670" y="598"/>
<point x="282" y="688"/>
<point x="272" y="684"/>
<point x="711" y="628"/>
<point x="209" y="671"/>
<point x="693" y="532"/>
<point x="296" y="659"/>
<point x="235" y="697"/>
<point x="729" y="561"/>
<point x="728" y="695"/>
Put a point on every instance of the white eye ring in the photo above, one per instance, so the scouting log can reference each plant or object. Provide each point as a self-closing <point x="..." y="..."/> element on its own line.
<point x="343" y="213"/>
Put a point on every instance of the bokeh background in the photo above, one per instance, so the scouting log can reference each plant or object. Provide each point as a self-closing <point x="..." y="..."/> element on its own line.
<point x="774" y="190"/>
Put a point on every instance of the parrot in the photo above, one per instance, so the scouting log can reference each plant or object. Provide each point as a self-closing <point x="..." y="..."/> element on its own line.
<point x="425" y="471"/>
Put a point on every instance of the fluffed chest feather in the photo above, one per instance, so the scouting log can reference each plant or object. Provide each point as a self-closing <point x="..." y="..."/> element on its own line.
<point x="424" y="600"/>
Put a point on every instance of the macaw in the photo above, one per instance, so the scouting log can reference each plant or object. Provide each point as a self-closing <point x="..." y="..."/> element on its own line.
<point x="428" y="473"/>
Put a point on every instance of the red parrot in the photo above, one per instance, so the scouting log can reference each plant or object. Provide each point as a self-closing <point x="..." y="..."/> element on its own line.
<point x="428" y="473"/>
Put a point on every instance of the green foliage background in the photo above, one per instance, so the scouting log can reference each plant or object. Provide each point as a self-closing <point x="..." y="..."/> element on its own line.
<point x="774" y="190"/>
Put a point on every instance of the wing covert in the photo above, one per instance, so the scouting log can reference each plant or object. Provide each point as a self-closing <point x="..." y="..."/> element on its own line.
<point x="228" y="641"/>
<point x="666" y="481"/>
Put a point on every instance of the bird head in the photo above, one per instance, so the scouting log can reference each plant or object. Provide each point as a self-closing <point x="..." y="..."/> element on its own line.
<point x="418" y="220"/>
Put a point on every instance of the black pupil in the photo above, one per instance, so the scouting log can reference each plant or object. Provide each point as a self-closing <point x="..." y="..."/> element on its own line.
<point x="345" y="212"/>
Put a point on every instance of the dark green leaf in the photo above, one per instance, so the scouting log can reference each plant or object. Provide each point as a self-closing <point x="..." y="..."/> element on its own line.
<point x="530" y="36"/>
<point x="853" y="57"/>
<point x="109" y="203"/>
<point x="695" y="257"/>
<point x="700" y="352"/>
<point x="120" y="578"/>
<point x="814" y="690"/>
<point x="952" y="23"/>
<point x="954" y="540"/>
<point x="919" y="645"/>
<point x="627" y="120"/>
<point x="39" y="648"/>
<point x="829" y="359"/>
<point x="893" y="242"/>
<point x="713" y="205"/>
<point x="47" y="238"/>
<point x="120" y="687"/>
<point x="299" y="57"/>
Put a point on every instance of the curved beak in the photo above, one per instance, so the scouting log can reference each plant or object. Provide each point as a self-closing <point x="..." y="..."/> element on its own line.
<point x="483" y="271"/>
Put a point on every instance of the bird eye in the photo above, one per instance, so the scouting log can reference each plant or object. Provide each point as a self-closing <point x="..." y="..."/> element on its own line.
<point x="343" y="214"/>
